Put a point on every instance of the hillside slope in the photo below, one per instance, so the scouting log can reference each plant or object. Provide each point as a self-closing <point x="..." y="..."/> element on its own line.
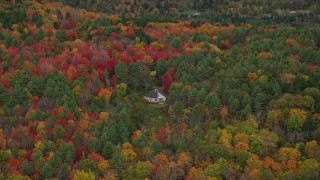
<point x="243" y="102"/>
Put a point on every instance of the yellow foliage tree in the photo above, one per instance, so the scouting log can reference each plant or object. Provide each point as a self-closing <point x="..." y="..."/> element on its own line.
<point x="83" y="175"/>
<point x="126" y="145"/>
<point x="153" y="74"/>
<point x="104" y="116"/>
<point x="252" y="76"/>
<point x="39" y="146"/>
<point x="127" y="152"/>
<point x="226" y="139"/>
<point x="14" y="27"/>
<point x="103" y="165"/>
<point x="184" y="159"/>
<point x="22" y="154"/>
<point x="242" y="146"/>
<point x="215" y="48"/>
<point x="254" y="162"/>
<point x="76" y="90"/>
<point x="2" y="141"/>
<point x="274" y="117"/>
<point x="301" y="114"/>
<point x="313" y="149"/>
<point x="287" y="78"/>
<point x="266" y="55"/>
<point x="161" y="160"/>
<point x="289" y="158"/>
<point x="196" y="174"/>
<point x="241" y="137"/>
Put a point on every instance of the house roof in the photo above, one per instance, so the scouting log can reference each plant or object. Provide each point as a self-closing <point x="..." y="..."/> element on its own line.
<point x="154" y="93"/>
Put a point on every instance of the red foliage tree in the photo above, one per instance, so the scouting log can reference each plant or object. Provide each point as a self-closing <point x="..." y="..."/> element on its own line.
<point x="29" y="155"/>
<point x="56" y="111"/>
<point x="167" y="80"/>
<point x="12" y="163"/>
<point x="183" y="127"/>
<point x="244" y="53"/>
<point x="162" y="136"/>
<point x="5" y="84"/>
<point x="130" y="32"/>
<point x="67" y="137"/>
<point x="111" y="64"/>
<point x="80" y="152"/>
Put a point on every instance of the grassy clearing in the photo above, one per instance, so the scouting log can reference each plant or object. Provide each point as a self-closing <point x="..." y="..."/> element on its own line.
<point x="150" y="115"/>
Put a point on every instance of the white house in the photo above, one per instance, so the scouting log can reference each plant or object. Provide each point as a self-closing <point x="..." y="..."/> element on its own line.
<point x="155" y="96"/>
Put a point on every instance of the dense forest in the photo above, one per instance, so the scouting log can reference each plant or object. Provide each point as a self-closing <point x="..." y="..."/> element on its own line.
<point x="258" y="12"/>
<point x="242" y="98"/>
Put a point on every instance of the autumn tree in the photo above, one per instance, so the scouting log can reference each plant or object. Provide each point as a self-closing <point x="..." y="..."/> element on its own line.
<point x="166" y="82"/>
<point x="127" y="152"/>
<point x="216" y="170"/>
<point x="83" y="175"/>
<point x="161" y="163"/>
<point x="309" y="169"/>
<point x="4" y="157"/>
<point x="140" y="170"/>
<point x="185" y="161"/>
<point x="296" y="120"/>
<point x="88" y="165"/>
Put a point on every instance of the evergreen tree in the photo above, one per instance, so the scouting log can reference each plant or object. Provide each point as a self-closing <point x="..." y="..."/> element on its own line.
<point x="27" y="168"/>
<point x="141" y="141"/>
<point x="293" y="124"/>
<point x="107" y="150"/>
<point x="8" y="41"/>
<point x="212" y="102"/>
<point x="117" y="161"/>
<point x="134" y="75"/>
<point x="63" y="171"/>
<point x="66" y="153"/>
<point x="2" y="94"/>
<point x="161" y="68"/>
<point x="121" y="72"/>
<point x="110" y="133"/>
<point x="19" y="95"/>
<point x="201" y="95"/>
<point x="61" y="35"/>
<point x="46" y="171"/>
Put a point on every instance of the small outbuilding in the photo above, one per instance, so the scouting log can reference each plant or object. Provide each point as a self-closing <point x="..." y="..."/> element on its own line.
<point x="155" y="96"/>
